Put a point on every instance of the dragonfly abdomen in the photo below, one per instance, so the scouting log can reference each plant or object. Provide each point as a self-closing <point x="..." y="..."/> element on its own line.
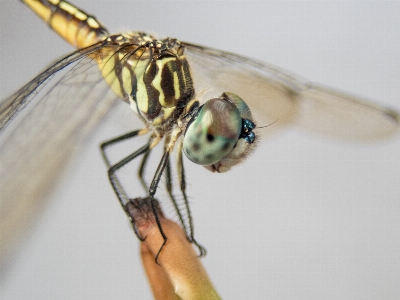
<point x="72" y="24"/>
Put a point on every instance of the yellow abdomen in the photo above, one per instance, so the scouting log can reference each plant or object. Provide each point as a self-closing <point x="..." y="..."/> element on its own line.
<point x="72" y="24"/>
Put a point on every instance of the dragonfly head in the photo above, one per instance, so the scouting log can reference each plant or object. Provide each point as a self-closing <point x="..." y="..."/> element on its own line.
<point x="220" y="134"/>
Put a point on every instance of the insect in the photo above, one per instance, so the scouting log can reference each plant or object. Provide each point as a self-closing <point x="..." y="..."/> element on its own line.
<point x="281" y="115"/>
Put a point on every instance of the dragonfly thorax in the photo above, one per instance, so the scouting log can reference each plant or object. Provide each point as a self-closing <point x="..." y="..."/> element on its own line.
<point x="152" y="75"/>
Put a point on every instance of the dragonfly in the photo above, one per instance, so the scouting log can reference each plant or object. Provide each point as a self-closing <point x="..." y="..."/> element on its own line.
<point x="79" y="90"/>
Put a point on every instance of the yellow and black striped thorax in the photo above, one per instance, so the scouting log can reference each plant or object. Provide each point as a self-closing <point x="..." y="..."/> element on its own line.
<point x="153" y="75"/>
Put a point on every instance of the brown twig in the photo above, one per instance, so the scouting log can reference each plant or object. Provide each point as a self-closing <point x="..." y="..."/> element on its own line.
<point x="179" y="274"/>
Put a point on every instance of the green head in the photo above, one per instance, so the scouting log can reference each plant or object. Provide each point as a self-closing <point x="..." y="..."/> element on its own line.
<point x="220" y="134"/>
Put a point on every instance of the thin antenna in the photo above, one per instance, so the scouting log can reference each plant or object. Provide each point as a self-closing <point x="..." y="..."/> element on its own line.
<point x="268" y="124"/>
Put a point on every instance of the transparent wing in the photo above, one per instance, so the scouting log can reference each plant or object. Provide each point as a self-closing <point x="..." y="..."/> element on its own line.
<point x="63" y="104"/>
<point x="274" y="94"/>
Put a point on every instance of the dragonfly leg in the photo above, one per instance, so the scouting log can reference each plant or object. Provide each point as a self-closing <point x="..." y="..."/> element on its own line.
<point x="142" y="168"/>
<point x="152" y="191"/>
<point x="118" y="189"/>
<point x="168" y="185"/>
<point x="181" y="176"/>
<point x="188" y="231"/>
<point x="116" y="140"/>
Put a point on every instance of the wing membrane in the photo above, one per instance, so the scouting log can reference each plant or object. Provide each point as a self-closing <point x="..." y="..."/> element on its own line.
<point x="274" y="94"/>
<point x="66" y="101"/>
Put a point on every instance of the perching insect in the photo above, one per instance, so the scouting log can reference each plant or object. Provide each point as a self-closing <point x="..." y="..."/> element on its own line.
<point x="168" y="84"/>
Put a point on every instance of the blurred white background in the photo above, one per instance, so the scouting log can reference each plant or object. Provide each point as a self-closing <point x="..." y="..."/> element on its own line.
<point x="305" y="217"/>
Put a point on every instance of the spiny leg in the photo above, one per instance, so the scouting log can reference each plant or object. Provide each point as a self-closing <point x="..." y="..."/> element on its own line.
<point x="114" y="141"/>
<point x="118" y="189"/>
<point x="118" y="139"/>
<point x="168" y="185"/>
<point x="142" y="168"/>
<point x="152" y="191"/>
<point x="165" y="162"/>
<point x="181" y="176"/>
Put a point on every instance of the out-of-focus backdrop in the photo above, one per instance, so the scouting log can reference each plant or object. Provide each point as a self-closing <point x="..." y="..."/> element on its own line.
<point x="306" y="217"/>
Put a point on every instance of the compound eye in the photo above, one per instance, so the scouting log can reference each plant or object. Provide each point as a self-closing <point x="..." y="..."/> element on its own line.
<point x="214" y="132"/>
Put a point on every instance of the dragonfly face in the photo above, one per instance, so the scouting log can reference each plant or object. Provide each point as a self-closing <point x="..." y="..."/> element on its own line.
<point x="302" y="214"/>
<point x="220" y="135"/>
